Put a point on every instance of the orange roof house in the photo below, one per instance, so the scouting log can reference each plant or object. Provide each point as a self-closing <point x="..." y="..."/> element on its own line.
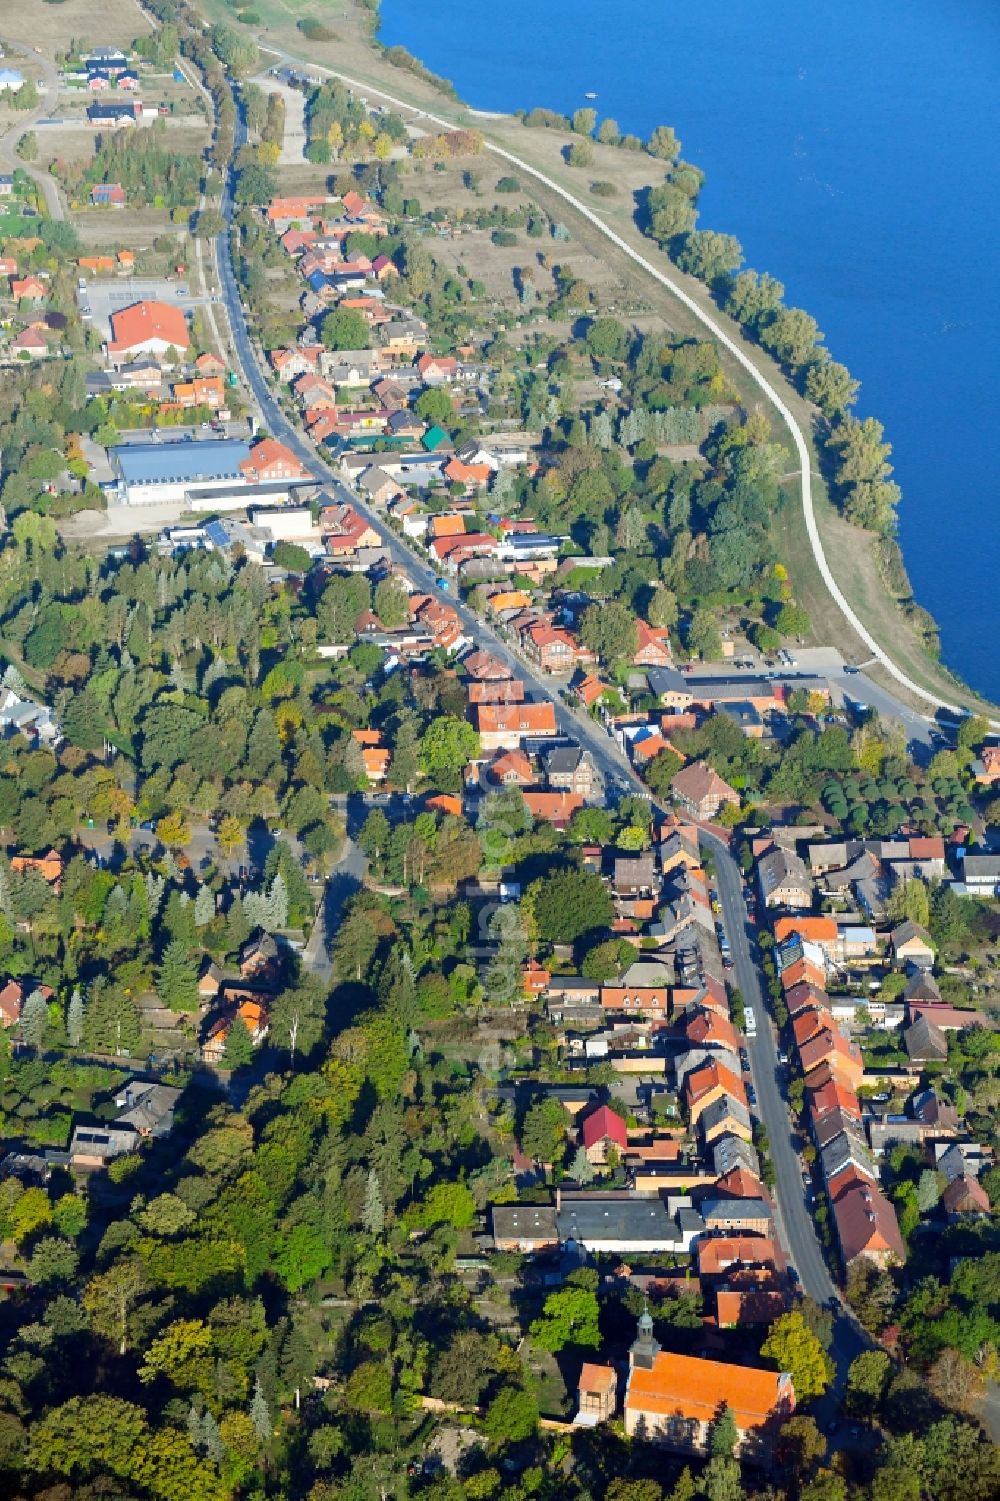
<point x="704" y="1027"/>
<point x="554" y="807"/>
<point x="148" y="327"/>
<point x="376" y="762"/>
<point x="675" y="1400"/>
<point x="504" y="726"/>
<point x="591" y="689"/>
<point x="208" y="363"/>
<point x="281" y="209"/>
<point x="472" y="476"/>
<point x="512" y="769"/>
<point x="447" y="526"/>
<point x="703" y="1086"/>
<point x="271" y="460"/>
<point x="821" y="930"/>
<point x="718" y="1255"/>
<point x="50" y="867"/>
<point x="203" y="391"/>
<point x="28" y="289"/>
<point x="653" y="646"/>
<point x="645" y="1000"/>
<point x="803" y="994"/>
<point x="444" y="802"/>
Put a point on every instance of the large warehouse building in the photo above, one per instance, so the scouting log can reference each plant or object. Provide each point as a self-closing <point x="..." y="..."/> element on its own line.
<point x="205" y="474"/>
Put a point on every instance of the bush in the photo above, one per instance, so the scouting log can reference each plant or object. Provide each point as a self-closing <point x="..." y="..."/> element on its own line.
<point x="508" y="185"/>
<point x="314" y="30"/>
<point x="603" y="189"/>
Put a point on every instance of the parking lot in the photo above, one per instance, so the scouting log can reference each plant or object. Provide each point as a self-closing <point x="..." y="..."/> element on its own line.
<point x="104" y="295"/>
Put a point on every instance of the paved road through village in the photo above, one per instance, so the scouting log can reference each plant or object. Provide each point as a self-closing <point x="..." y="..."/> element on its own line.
<point x="795" y="1222"/>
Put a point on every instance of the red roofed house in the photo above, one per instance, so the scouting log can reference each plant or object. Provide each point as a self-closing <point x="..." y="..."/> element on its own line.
<point x="552" y="648"/>
<point x="702" y="791"/>
<point x="653" y="649"/>
<point x="29" y="289"/>
<point x="437" y="368"/>
<point x="11" y="1003"/>
<point x="148" y="327"/>
<point x="271" y="460"/>
<point x="600" y="1132"/>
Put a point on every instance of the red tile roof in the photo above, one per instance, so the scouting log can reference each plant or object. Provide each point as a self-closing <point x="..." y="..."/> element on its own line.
<point x="604" y="1123"/>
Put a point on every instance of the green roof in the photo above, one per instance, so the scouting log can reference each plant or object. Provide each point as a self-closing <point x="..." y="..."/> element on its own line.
<point x="435" y="437"/>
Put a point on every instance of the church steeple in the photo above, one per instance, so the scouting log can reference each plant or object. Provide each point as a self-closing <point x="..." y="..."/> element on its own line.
<point x="645" y="1347"/>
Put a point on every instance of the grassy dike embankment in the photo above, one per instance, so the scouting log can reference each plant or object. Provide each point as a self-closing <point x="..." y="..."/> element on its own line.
<point x="353" y="55"/>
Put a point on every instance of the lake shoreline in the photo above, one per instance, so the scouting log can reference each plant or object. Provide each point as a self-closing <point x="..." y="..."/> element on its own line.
<point x="916" y="535"/>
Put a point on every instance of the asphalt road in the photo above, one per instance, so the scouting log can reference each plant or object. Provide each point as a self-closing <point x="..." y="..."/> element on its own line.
<point x="343" y="881"/>
<point x="795" y="1223"/>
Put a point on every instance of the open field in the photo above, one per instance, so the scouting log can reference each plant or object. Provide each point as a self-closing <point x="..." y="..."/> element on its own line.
<point x="111" y="23"/>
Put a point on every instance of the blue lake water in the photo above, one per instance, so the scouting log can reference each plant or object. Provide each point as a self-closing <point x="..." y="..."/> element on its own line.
<point x="852" y="149"/>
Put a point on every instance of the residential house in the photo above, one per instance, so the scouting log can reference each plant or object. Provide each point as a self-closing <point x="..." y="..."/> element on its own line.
<point x="924" y="1042"/>
<point x="703" y="1086"/>
<point x="653" y="646"/>
<point x="556" y="808"/>
<point x="568" y="768"/>
<point x="259" y="957"/>
<point x="912" y="944"/>
<point x="702" y="791"/>
<point x="784" y="880"/>
<point x="12" y="998"/>
<point x="210" y="981"/>
<point x="95" y="1146"/>
<point x="831" y="1047"/>
<point x="552" y="648"/>
<point x="511" y="769"/>
<point x="507" y="726"/>
<point x="965" y="1197"/>
<point x="981" y="875"/>
<point x="147" y="1108"/>
<point x="865" y="1223"/>
<point x="50" y="867"/>
<point x="29" y="288"/>
<point x="602" y="1135"/>
<point x="635" y="875"/>
<point x="643" y="1000"/>
<point x="740" y="1215"/>
<point x="725" y="1116"/>
<point x="108" y="193"/>
<point x="670" y="688"/>
<point x="675" y="1400"/>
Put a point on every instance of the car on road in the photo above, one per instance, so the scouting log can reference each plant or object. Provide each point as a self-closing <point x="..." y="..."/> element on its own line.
<point x="852" y="670"/>
<point x="751" y="1094"/>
